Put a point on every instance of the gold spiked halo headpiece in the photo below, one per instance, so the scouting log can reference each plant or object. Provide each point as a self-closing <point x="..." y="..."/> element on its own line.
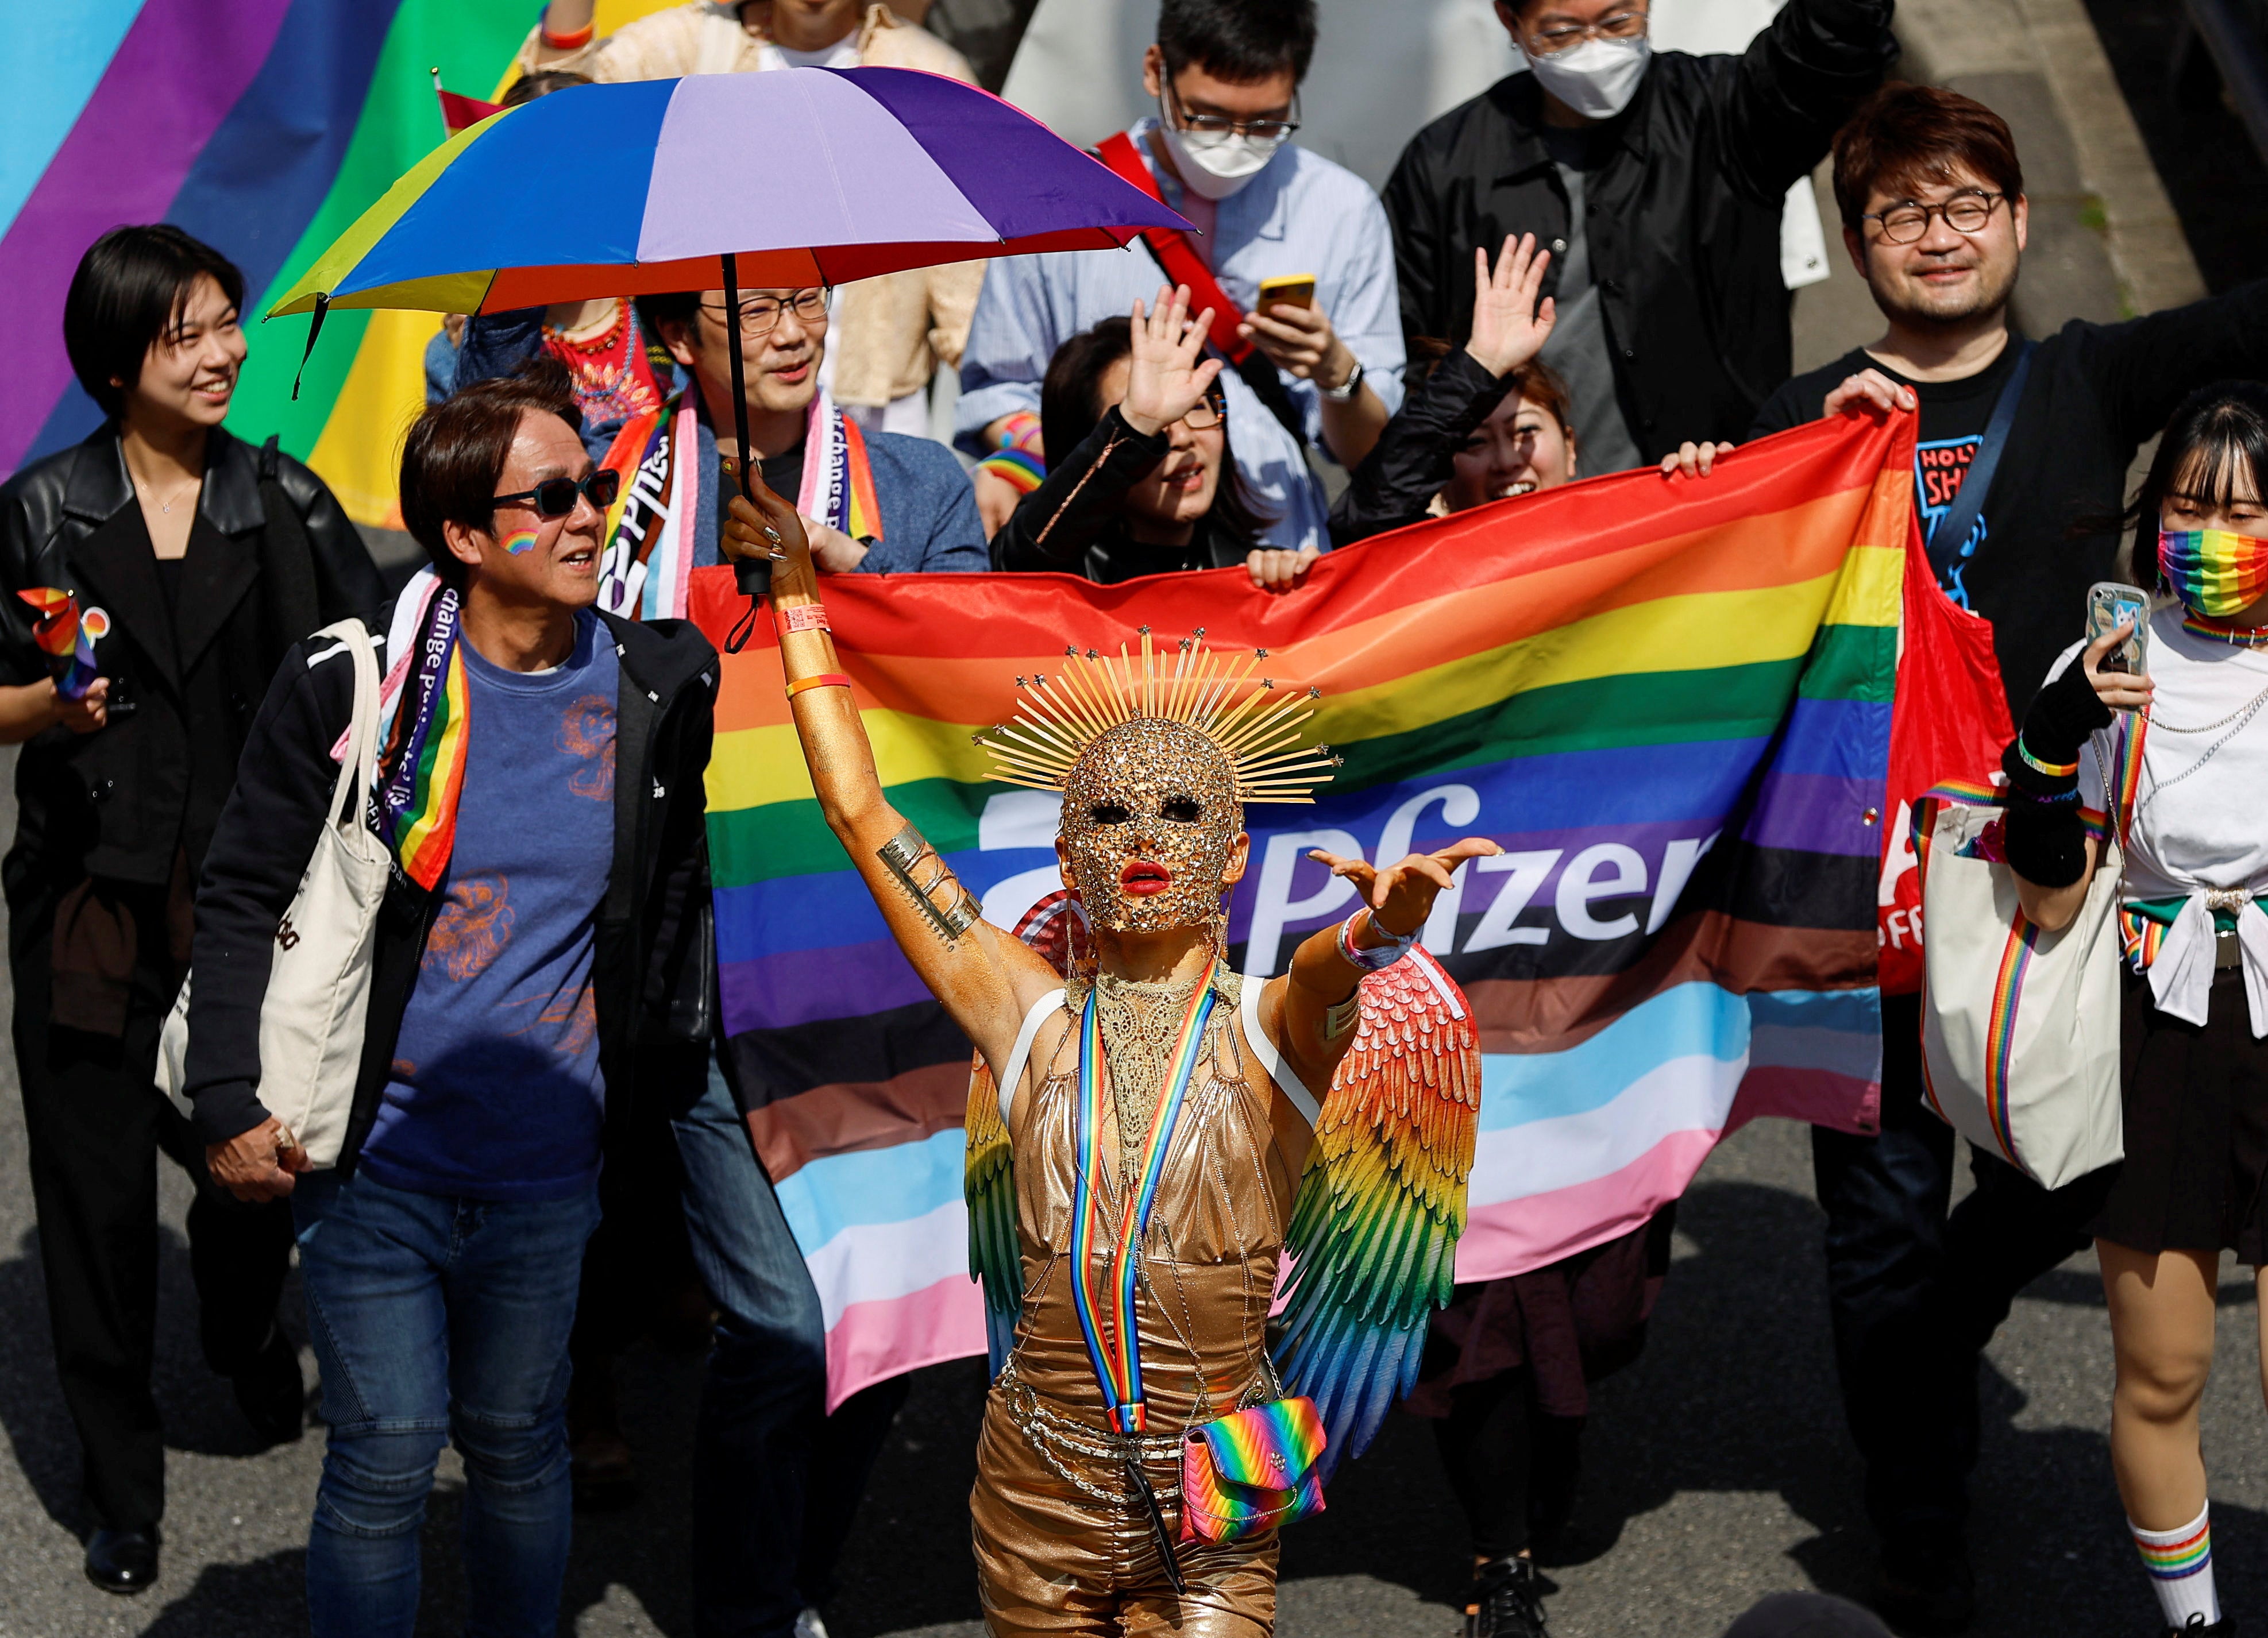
<point x="1155" y="754"/>
<point x="1217" y="695"/>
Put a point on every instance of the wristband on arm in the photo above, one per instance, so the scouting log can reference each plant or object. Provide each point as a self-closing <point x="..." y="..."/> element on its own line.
<point x="2043" y="761"/>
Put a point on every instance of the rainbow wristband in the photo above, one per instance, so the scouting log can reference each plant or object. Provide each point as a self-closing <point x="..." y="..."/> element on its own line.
<point x="2046" y="770"/>
<point x="1383" y="957"/>
<point x="1017" y="467"/>
<point x="825" y="680"/>
<point x="1021" y="430"/>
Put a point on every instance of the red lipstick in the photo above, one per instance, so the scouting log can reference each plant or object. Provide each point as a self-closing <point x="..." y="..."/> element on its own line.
<point x="1144" y="878"/>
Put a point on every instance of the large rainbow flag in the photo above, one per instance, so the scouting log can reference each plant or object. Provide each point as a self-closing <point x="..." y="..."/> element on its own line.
<point x="265" y="127"/>
<point x="1670" y="702"/>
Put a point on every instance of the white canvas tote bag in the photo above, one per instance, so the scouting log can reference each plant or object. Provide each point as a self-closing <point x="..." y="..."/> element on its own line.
<point x="2020" y="1027"/>
<point x="311" y="1022"/>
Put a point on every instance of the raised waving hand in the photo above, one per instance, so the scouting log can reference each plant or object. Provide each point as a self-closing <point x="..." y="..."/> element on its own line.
<point x="1167" y="377"/>
<point x="1510" y="323"/>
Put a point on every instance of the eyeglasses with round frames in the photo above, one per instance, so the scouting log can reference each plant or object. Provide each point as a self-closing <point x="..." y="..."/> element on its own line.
<point x="760" y="315"/>
<point x="1907" y="221"/>
<point x="1224" y="125"/>
<point x="555" y="497"/>
<point x="1551" y="40"/>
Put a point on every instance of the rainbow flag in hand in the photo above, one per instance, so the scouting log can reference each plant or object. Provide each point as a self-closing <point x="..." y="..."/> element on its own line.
<point x="1669" y="701"/>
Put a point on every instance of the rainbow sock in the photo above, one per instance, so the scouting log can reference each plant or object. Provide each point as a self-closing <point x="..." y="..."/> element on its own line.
<point x="2180" y="1562"/>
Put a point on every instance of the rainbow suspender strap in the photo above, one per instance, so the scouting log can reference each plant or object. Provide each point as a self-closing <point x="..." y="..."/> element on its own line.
<point x="1106" y="1320"/>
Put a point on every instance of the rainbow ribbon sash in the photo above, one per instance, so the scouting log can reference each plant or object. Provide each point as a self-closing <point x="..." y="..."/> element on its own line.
<point x="428" y="709"/>
<point x="1113" y="1345"/>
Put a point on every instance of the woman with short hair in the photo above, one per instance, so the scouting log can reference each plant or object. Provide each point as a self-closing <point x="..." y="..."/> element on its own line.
<point x="197" y="560"/>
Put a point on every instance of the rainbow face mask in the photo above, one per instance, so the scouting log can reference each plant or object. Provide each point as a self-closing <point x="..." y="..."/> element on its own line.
<point x="2215" y="572"/>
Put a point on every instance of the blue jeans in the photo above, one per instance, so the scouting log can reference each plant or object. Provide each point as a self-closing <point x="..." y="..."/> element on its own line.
<point x="434" y="1319"/>
<point x="775" y="1480"/>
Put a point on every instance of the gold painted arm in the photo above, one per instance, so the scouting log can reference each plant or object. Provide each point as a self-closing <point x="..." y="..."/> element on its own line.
<point x="987" y="978"/>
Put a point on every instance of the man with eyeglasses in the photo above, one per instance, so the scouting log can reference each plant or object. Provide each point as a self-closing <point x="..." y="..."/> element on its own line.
<point x="1323" y="374"/>
<point x="1935" y="218"/>
<point x="1656" y="182"/>
<point x="874" y="503"/>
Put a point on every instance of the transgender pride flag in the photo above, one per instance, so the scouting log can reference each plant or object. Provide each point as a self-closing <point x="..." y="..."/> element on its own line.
<point x="1669" y="701"/>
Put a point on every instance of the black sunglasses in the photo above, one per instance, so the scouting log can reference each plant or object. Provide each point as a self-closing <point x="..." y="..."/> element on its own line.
<point x="555" y="497"/>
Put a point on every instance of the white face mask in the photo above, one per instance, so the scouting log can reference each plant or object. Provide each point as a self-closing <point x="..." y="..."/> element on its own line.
<point x="1595" y="78"/>
<point x="1215" y="163"/>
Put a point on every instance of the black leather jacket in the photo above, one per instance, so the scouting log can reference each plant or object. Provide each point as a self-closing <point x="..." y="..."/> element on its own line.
<point x="185" y="683"/>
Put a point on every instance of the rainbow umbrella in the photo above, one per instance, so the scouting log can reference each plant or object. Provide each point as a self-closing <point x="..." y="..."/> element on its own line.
<point x="794" y="178"/>
<point x="778" y="181"/>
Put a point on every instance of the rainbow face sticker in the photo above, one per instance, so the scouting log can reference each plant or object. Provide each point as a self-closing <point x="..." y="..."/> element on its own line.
<point x="2215" y="572"/>
<point x="96" y="623"/>
<point x="520" y="544"/>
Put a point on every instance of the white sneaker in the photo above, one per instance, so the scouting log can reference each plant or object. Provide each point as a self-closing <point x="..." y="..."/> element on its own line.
<point x="807" y="1625"/>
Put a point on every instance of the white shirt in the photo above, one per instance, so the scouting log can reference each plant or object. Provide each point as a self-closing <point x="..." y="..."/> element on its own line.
<point x="2200" y="819"/>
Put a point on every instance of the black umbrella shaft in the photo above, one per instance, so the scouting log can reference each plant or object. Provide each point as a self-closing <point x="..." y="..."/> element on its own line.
<point x="754" y="578"/>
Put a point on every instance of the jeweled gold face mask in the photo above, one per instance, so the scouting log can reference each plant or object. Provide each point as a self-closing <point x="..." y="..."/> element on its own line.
<point x="1149" y="819"/>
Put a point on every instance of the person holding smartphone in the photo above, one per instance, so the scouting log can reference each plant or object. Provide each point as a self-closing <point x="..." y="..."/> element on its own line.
<point x="2195" y="1035"/>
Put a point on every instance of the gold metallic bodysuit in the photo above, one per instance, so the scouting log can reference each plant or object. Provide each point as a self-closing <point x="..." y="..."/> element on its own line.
<point x="1062" y="1545"/>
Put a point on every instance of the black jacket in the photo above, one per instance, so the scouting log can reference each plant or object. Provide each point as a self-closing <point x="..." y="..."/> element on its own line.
<point x="1415" y="449"/>
<point x="1683" y="218"/>
<point x="118" y="802"/>
<point x="1074" y="523"/>
<point x="650" y="972"/>
<point x="2096" y="392"/>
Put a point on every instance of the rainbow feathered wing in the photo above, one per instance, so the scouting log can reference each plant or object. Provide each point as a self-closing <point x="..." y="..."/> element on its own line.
<point x="1375" y="1230"/>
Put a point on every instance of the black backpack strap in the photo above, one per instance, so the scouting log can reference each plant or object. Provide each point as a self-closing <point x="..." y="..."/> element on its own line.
<point x="287" y="559"/>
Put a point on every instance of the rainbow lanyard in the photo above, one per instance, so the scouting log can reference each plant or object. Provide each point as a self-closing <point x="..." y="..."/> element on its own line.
<point x="1112" y="1345"/>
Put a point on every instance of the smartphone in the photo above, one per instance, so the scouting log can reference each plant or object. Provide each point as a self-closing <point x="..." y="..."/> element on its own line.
<point x="2110" y="606"/>
<point x="1293" y="290"/>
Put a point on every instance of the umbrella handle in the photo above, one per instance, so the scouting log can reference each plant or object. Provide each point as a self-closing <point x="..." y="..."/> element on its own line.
<point x="753" y="577"/>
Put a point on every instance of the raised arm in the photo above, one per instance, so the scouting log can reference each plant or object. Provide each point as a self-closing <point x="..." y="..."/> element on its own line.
<point x="1310" y="1012"/>
<point x="986" y="978"/>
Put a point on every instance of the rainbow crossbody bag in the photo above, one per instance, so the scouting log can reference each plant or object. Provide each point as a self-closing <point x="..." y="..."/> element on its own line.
<point x="1251" y="1472"/>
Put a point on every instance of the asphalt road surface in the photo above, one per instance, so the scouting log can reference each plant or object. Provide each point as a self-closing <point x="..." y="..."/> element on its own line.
<point x="1716" y="1470"/>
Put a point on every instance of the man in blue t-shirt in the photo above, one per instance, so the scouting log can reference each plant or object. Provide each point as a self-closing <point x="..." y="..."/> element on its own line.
<point x="539" y="786"/>
<point x="495" y="1089"/>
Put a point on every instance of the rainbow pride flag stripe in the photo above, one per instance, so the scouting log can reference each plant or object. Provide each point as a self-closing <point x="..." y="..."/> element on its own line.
<point x="1671" y="707"/>
<point x="265" y="127"/>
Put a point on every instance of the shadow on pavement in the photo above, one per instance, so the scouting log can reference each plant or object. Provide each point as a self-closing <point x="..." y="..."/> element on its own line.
<point x="198" y="1409"/>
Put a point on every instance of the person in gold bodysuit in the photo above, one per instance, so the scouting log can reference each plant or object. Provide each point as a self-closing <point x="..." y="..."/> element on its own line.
<point x="1074" y="1518"/>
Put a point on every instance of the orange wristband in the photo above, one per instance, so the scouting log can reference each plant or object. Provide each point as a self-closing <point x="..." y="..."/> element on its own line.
<point x="825" y="680"/>
<point x="574" y="42"/>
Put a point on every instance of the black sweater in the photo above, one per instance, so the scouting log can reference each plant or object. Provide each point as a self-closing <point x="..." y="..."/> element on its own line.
<point x="651" y="975"/>
<point x="1075" y="523"/>
<point x="1416" y="452"/>
<point x="2096" y="392"/>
